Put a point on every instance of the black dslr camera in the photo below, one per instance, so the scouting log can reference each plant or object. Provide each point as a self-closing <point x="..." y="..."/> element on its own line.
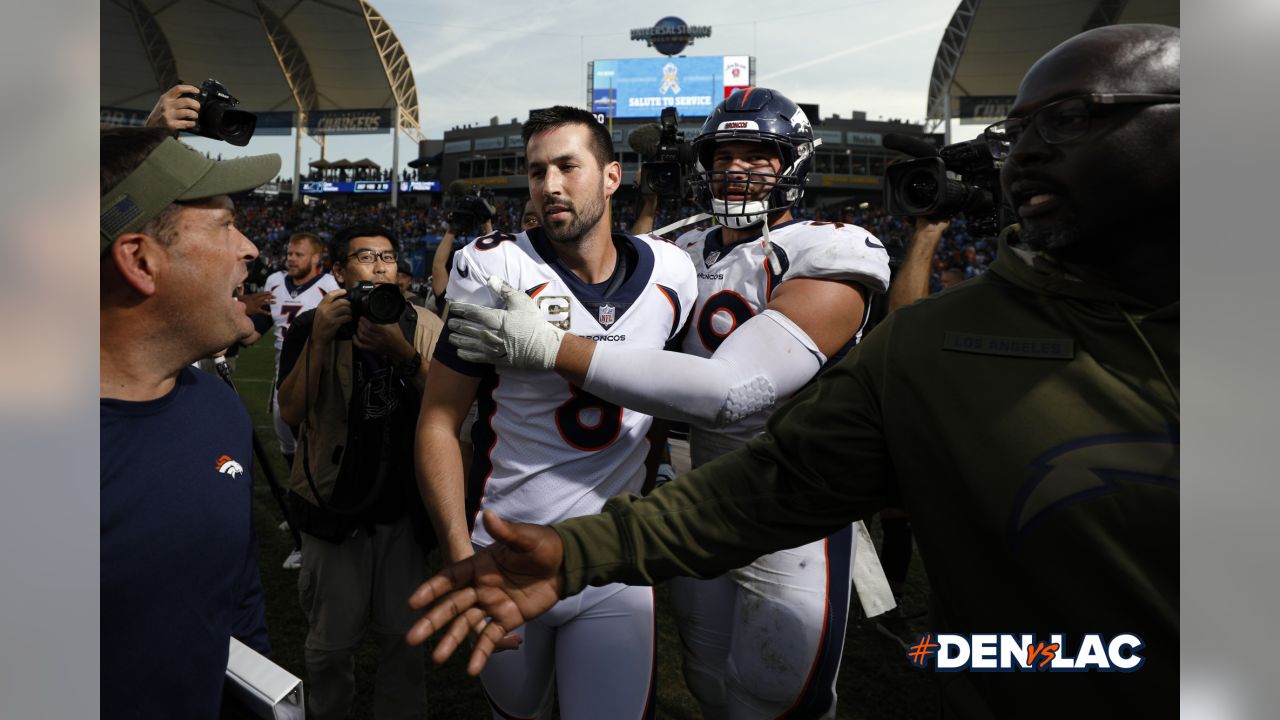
<point x="382" y="304"/>
<point x="219" y="119"/>
<point x="672" y="159"/>
<point x="469" y="207"/>
<point x="922" y="187"/>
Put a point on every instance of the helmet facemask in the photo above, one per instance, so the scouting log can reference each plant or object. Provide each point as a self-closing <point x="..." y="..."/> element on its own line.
<point x="764" y="193"/>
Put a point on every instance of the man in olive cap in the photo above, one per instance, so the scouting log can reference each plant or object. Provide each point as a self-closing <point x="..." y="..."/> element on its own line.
<point x="179" y="570"/>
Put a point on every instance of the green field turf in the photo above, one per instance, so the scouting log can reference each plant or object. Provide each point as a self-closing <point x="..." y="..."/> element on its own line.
<point x="875" y="681"/>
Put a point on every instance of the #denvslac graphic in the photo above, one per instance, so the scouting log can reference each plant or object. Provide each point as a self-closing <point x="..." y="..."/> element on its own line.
<point x="1005" y="652"/>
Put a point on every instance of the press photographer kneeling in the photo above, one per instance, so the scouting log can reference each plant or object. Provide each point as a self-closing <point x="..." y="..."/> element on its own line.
<point x="352" y="376"/>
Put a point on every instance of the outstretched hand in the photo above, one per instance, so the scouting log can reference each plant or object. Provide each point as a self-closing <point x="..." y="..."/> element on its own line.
<point x="491" y="593"/>
<point x="518" y="336"/>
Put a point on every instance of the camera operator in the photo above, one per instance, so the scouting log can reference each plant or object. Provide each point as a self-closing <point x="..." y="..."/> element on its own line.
<point x="470" y="216"/>
<point x="647" y="210"/>
<point x="911" y="281"/>
<point x="666" y="160"/>
<point x="353" y="386"/>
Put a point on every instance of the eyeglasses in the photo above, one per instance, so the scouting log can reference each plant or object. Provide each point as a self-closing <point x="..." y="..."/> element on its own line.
<point x="367" y="256"/>
<point x="1064" y="120"/>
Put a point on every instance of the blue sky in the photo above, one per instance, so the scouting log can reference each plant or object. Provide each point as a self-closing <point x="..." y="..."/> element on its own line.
<point x="473" y="61"/>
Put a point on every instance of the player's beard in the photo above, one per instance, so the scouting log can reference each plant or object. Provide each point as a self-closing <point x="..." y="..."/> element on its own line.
<point x="585" y="217"/>
<point x="299" y="273"/>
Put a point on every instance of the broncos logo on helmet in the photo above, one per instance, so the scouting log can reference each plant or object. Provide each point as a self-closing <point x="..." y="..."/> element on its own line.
<point x="755" y="115"/>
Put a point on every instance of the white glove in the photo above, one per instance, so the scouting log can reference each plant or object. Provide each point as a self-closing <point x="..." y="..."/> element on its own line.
<point x="518" y="337"/>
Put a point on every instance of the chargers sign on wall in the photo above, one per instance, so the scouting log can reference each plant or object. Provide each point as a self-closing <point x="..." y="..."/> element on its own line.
<point x="641" y="88"/>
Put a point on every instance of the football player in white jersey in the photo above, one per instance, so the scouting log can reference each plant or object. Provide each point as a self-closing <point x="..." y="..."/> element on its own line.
<point x="296" y="289"/>
<point x="545" y="449"/>
<point x="778" y="298"/>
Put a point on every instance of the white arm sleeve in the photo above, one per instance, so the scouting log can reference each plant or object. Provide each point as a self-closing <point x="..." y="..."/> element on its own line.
<point x="767" y="359"/>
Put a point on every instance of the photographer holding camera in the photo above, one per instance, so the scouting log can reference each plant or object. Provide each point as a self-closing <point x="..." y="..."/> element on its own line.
<point x="209" y="111"/>
<point x="922" y="189"/>
<point x="352" y="376"/>
<point x="666" y="160"/>
<point x="911" y="279"/>
<point x="470" y="216"/>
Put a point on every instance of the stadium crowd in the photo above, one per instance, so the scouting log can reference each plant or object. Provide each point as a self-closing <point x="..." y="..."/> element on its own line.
<point x="270" y="223"/>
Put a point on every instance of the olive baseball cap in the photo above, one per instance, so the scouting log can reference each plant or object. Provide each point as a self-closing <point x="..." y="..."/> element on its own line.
<point x="175" y="172"/>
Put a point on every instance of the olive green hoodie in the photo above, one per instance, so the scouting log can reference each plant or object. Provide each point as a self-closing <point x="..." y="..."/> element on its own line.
<point x="1028" y="422"/>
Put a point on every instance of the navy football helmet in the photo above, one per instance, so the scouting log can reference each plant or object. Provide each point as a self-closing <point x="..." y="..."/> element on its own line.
<point x="754" y="115"/>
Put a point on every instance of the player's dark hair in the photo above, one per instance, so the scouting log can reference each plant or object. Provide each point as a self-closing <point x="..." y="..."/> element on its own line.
<point x="561" y="115"/>
<point x="342" y="239"/>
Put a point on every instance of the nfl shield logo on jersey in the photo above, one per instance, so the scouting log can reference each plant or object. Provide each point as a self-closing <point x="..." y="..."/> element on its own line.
<point x="605" y="315"/>
<point x="712" y="257"/>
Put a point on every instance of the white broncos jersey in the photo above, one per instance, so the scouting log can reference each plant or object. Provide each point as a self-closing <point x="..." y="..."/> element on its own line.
<point x="291" y="300"/>
<point x="736" y="283"/>
<point x="547" y="450"/>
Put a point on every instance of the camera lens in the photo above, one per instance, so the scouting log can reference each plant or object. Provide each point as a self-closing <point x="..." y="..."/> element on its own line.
<point x="663" y="177"/>
<point x="236" y="126"/>
<point x="384" y="304"/>
<point x="921" y="187"/>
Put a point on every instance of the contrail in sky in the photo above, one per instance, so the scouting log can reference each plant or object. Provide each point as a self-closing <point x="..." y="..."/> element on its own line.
<point x="850" y="51"/>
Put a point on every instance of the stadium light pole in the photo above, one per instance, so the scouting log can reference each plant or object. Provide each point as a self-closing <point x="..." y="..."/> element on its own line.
<point x="297" y="158"/>
<point x="946" y="115"/>
<point x="395" y="155"/>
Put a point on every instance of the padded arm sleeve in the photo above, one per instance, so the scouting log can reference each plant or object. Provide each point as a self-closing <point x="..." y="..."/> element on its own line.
<point x="767" y="359"/>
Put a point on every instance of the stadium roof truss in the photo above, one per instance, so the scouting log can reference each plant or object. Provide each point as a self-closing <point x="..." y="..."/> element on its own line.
<point x="990" y="44"/>
<point x="331" y="54"/>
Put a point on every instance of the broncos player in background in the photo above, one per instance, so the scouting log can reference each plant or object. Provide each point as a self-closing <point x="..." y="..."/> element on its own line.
<point x="778" y="298"/>
<point x="296" y="289"/>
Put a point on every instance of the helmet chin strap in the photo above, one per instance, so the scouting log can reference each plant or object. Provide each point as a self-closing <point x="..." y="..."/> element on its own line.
<point x="769" y="253"/>
<point x="762" y="218"/>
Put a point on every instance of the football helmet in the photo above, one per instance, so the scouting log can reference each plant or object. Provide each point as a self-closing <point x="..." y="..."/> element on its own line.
<point x="754" y="115"/>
